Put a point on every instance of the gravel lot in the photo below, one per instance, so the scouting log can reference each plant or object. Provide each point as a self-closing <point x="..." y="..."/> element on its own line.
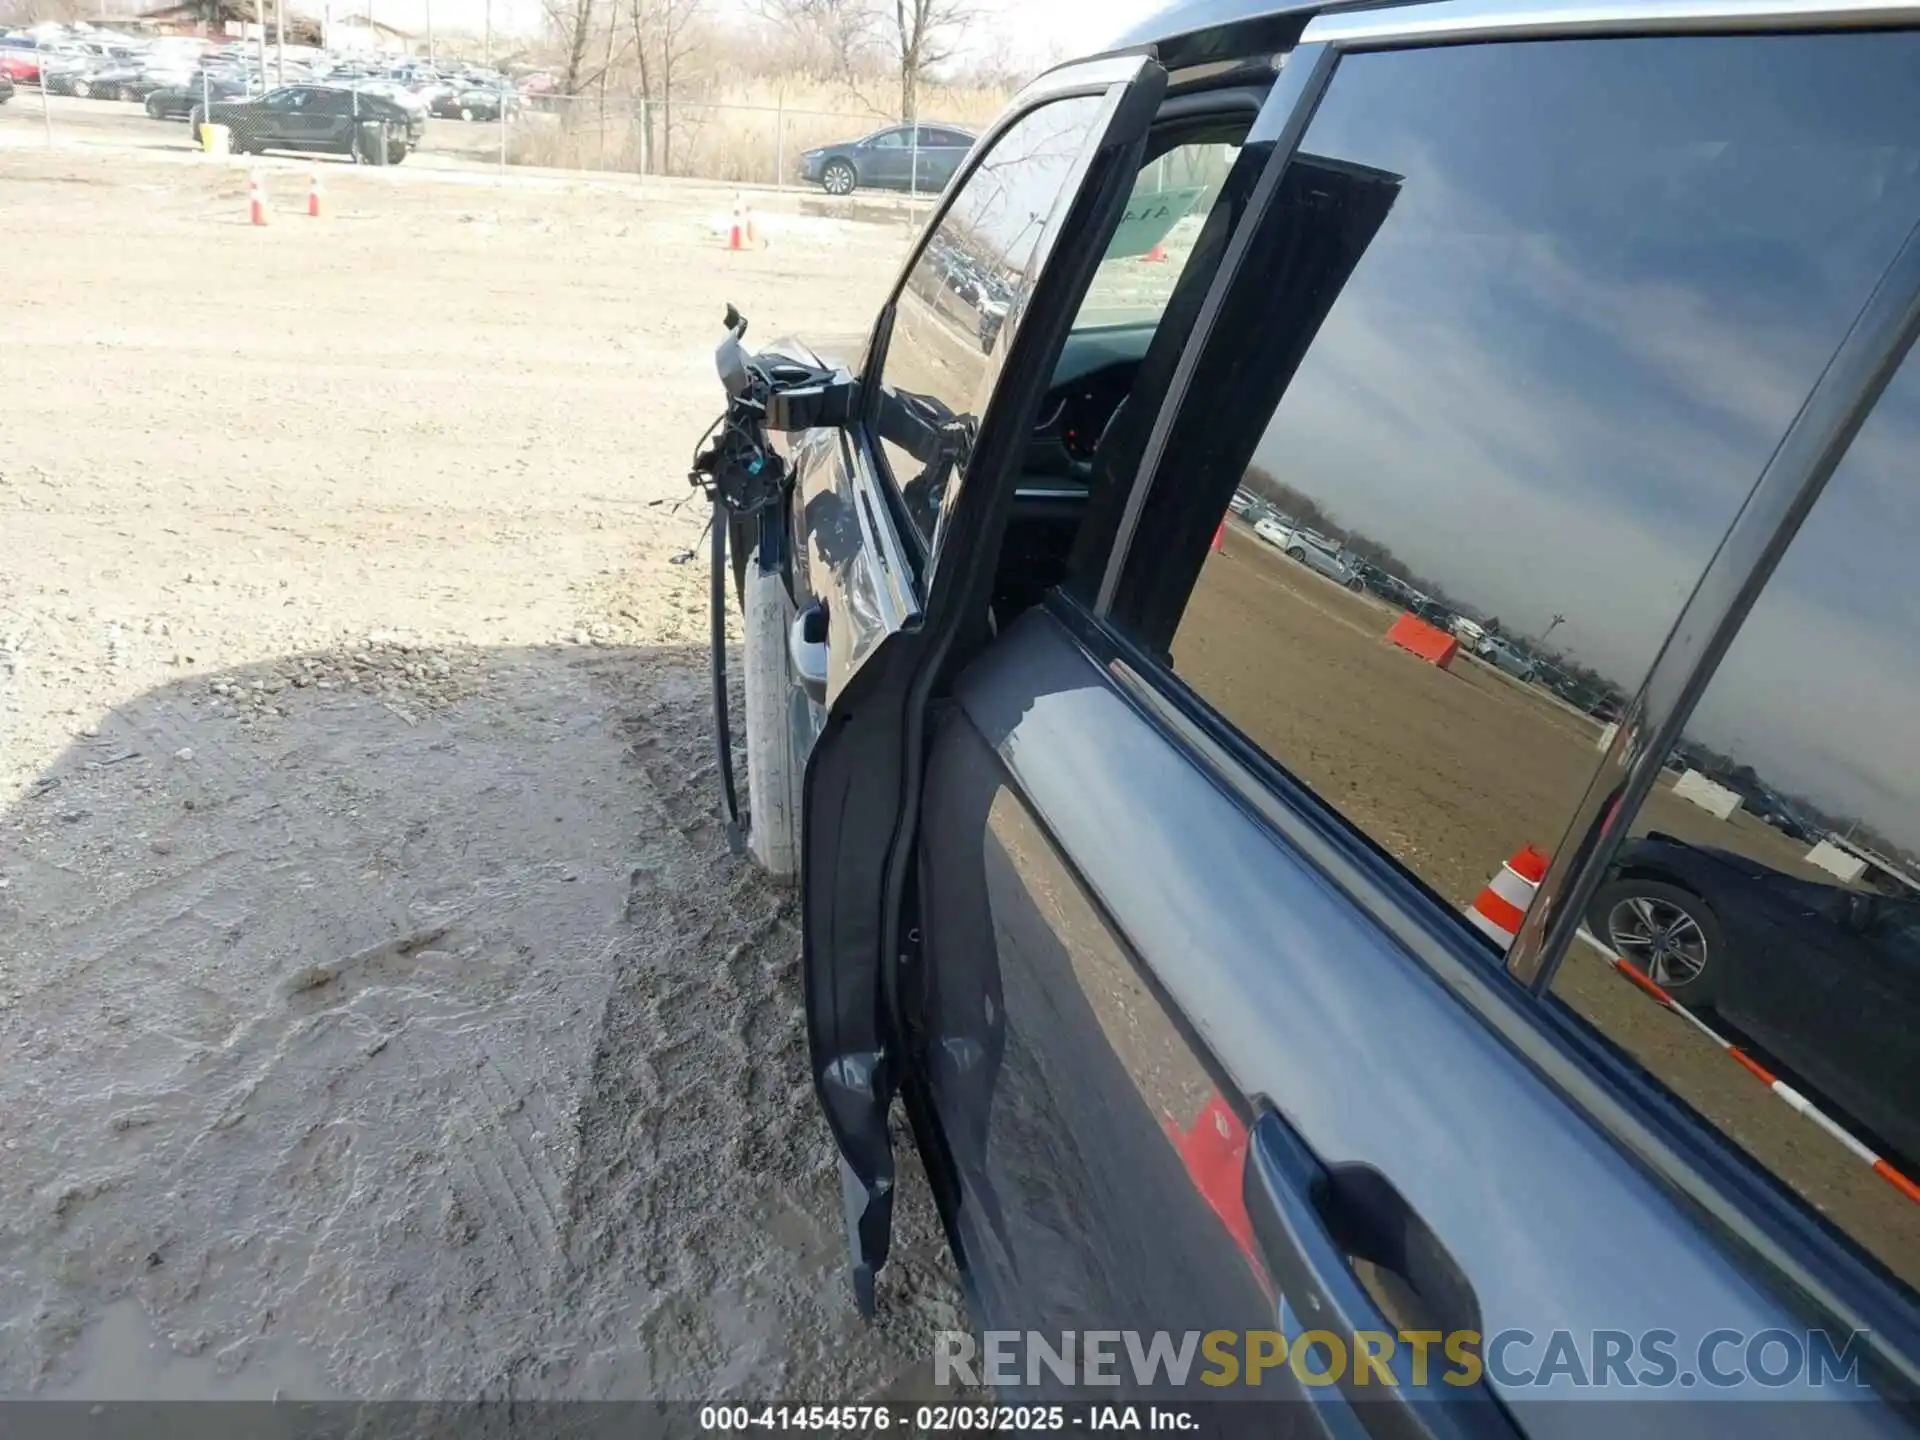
<point x="380" y="1011"/>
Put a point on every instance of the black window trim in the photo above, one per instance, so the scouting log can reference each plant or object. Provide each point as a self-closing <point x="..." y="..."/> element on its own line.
<point x="1732" y="1192"/>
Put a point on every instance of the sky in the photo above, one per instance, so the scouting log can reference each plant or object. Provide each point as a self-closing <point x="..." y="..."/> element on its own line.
<point x="1040" y="29"/>
<point x="1576" y="339"/>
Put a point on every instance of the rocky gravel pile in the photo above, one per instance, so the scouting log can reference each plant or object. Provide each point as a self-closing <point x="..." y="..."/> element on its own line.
<point x="408" y="675"/>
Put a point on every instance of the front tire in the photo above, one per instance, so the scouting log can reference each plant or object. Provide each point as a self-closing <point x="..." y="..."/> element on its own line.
<point x="466" y="113"/>
<point x="1297" y="554"/>
<point x="774" y="772"/>
<point x="1668" y="934"/>
<point x="81" y="89"/>
<point x="838" y="178"/>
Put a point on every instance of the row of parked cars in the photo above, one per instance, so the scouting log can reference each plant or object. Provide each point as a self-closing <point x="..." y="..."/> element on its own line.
<point x="1330" y="558"/>
<point x="172" y="75"/>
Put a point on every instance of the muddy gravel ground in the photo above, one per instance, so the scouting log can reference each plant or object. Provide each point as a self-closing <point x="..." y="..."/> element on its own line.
<point x="381" y="1013"/>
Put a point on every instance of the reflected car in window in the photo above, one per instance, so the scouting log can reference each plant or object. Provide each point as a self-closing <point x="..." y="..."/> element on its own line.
<point x="1825" y="978"/>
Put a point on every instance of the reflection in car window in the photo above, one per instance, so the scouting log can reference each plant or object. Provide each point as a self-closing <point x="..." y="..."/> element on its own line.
<point x="1771" y="882"/>
<point x="962" y="294"/>
<point x="890" y="140"/>
<point x="1562" y="334"/>
<point x="1169" y="203"/>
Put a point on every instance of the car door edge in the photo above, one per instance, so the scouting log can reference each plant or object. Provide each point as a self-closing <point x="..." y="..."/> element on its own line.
<point x="864" y="772"/>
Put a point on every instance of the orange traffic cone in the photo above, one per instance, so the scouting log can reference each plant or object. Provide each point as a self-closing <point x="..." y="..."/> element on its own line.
<point x="1220" y="537"/>
<point x="313" y="193"/>
<point x="256" y="199"/>
<point x="1499" y="908"/>
<point x="737" y="232"/>
<point x="1156" y="256"/>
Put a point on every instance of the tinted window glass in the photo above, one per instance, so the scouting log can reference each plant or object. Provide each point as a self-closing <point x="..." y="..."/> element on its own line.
<point x="961" y="298"/>
<point x="889" y="139"/>
<point x="1573" y="294"/>
<point x="1772" y="881"/>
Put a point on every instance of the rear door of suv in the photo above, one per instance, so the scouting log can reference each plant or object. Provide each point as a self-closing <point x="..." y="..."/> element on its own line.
<point x="1204" y="1035"/>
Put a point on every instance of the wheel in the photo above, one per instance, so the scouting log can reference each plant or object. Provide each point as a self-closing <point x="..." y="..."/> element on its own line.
<point x="1296" y="553"/>
<point x="82" y="89"/>
<point x="838" y="178"/>
<point x="1670" y="935"/>
<point x="153" y="110"/>
<point x="774" y="771"/>
<point x="466" y="112"/>
<point x="1358" y="587"/>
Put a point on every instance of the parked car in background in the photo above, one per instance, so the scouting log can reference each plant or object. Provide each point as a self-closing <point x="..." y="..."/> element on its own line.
<point x="1826" y="979"/>
<point x="473" y="103"/>
<point x="1503" y="654"/>
<point x="177" y="102"/>
<point x="20" y="66"/>
<point x="132" y="79"/>
<point x="325" y="119"/>
<point x="1315" y="551"/>
<point x="901" y="157"/>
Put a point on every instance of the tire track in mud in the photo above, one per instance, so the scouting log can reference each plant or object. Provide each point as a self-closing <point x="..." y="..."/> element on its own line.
<point x="702" y="1247"/>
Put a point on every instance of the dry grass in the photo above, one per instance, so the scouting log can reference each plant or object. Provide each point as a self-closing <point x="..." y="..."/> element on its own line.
<point x="746" y="132"/>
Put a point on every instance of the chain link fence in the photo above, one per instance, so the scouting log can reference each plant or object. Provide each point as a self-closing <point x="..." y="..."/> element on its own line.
<point x="739" y="144"/>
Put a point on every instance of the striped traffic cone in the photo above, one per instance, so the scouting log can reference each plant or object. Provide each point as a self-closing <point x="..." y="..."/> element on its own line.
<point x="256" y="199"/>
<point x="313" y="192"/>
<point x="1499" y="908"/>
<point x="737" y="232"/>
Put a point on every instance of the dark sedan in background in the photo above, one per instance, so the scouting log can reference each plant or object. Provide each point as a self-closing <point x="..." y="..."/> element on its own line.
<point x="326" y="119"/>
<point x="1825" y="979"/>
<point x="472" y="103"/>
<point x="920" y="158"/>
<point x="177" y="102"/>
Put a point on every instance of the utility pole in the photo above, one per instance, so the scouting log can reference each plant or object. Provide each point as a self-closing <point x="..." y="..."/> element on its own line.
<point x="429" y="32"/>
<point x="1558" y="620"/>
<point x="486" y="46"/>
<point x="279" y="42"/>
<point x="260" y="20"/>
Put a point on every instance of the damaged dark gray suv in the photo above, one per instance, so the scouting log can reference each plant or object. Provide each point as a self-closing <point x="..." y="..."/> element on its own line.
<point x="1224" y="930"/>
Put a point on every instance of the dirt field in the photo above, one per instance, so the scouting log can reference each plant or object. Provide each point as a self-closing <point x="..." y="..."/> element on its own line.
<point x="1455" y="770"/>
<point x="380" y="1012"/>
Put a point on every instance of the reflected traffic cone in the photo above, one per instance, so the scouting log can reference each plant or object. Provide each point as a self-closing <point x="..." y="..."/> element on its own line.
<point x="256" y="199"/>
<point x="1220" y="537"/>
<point x="313" y="193"/>
<point x="1499" y="908"/>
<point x="1156" y="256"/>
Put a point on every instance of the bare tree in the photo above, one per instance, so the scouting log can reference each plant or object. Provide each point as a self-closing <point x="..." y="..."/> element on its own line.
<point x="572" y="22"/>
<point x="837" y="36"/>
<point x="664" y="36"/>
<point x="924" y="35"/>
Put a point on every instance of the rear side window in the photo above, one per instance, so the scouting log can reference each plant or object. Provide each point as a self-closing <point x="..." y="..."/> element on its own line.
<point x="1569" y="296"/>
<point x="960" y="301"/>
<point x="1771" y="884"/>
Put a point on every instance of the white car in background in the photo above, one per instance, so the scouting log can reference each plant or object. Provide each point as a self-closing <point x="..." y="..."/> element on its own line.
<point x="1313" y="550"/>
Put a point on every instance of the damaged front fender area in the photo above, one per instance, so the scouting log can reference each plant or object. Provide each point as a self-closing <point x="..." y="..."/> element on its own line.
<point x="853" y="816"/>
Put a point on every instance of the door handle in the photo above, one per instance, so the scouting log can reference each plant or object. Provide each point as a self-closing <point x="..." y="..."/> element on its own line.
<point x="807" y="651"/>
<point x="1295" y="1207"/>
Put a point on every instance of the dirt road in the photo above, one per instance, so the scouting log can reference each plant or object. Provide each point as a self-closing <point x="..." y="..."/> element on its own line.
<point x="380" y="1011"/>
